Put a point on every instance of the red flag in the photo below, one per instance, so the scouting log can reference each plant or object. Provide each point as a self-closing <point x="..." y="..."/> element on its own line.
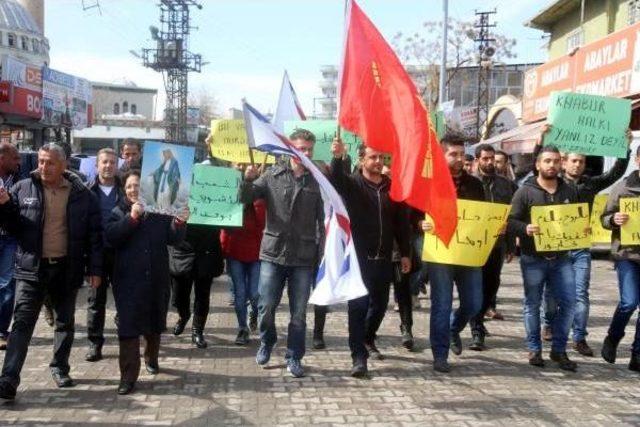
<point x="380" y="103"/>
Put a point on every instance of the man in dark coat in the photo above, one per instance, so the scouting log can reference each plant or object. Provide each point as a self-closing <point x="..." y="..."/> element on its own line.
<point x="56" y="221"/>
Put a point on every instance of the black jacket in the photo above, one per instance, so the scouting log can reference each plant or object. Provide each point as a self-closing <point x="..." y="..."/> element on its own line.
<point x="24" y="218"/>
<point x="468" y="187"/>
<point x="531" y="194"/>
<point x="141" y="281"/>
<point x="376" y="220"/>
<point x="198" y="255"/>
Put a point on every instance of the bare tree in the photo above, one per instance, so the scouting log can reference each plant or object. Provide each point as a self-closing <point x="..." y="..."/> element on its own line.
<point x="208" y="104"/>
<point x="423" y="50"/>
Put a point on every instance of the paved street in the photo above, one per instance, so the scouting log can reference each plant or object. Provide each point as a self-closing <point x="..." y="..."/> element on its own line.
<point x="223" y="386"/>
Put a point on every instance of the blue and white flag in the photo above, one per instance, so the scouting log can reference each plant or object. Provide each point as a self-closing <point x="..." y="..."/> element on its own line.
<point x="339" y="277"/>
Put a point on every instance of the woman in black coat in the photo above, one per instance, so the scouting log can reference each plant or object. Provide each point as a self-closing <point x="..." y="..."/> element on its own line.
<point x="141" y="285"/>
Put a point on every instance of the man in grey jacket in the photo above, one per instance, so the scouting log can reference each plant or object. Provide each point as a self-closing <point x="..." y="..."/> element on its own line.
<point x="289" y="249"/>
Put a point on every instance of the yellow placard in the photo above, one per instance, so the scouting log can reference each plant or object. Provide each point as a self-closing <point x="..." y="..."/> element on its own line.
<point x="630" y="231"/>
<point x="228" y="141"/>
<point x="479" y="224"/>
<point x="599" y="234"/>
<point x="562" y="227"/>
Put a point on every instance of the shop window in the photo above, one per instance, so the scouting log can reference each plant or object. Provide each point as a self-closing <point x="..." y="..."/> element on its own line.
<point x="116" y="108"/>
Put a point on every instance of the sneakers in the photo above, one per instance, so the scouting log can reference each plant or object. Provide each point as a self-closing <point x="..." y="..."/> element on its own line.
<point x="294" y="366"/>
<point x="547" y="333"/>
<point x="264" y="354"/>
<point x="609" y="349"/>
<point x="94" y="354"/>
<point x="373" y="351"/>
<point x="407" y="337"/>
<point x="535" y="359"/>
<point x="243" y="337"/>
<point x="152" y="367"/>
<point x="583" y="348"/>
<point x="62" y="380"/>
<point x="634" y="363"/>
<point x="125" y="387"/>
<point x="441" y="365"/>
<point x="478" y="343"/>
<point x="359" y="368"/>
<point x="456" y="344"/>
<point x="563" y="361"/>
<point x="7" y="391"/>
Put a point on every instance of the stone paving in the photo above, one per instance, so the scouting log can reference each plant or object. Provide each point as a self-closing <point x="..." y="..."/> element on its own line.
<point x="223" y="386"/>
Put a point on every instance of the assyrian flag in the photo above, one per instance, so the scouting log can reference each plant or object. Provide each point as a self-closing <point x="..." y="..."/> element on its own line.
<point x="339" y="278"/>
<point x="288" y="105"/>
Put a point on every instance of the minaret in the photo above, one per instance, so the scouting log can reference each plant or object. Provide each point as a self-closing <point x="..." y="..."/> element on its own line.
<point x="36" y="9"/>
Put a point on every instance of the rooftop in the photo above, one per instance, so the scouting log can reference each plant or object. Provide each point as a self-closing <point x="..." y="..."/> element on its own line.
<point x="14" y="17"/>
<point x="551" y="13"/>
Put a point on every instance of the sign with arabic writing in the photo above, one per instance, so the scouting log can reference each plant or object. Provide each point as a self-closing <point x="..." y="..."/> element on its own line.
<point x="599" y="234"/>
<point x="214" y="196"/>
<point x="479" y="225"/>
<point x="562" y="227"/>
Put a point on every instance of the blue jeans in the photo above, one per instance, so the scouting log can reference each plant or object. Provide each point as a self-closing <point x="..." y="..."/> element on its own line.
<point x="245" y="277"/>
<point x="581" y="263"/>
<point x="7" y="283"/>
<point x="629" y="287"/>
<point x="556" y="274"/>
<point x="443" y="322"/>
<point x="272" y="281"/>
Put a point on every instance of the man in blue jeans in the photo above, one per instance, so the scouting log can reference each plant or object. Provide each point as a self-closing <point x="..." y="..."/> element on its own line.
<point x="627" y="263"/>
<point x="573" y="168"/>
<point x="540" y="269"/>
<point x="289" y="248"/>
<point x="9" y="168"/>
<point x="445" y="326"/>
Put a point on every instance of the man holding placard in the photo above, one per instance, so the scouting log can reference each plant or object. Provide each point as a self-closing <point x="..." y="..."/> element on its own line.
<point x="622" y="215"/>
<point x="541" y="266"/>
<point x="445" y="329"/>
<point x="573" y="167"/>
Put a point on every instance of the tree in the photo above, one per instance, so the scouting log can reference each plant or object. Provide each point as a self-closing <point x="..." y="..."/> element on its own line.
<point x="423" y="50"/>
<point x="208" y="104"/>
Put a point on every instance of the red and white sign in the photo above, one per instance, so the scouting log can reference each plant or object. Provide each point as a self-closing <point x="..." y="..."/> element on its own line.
<point x="608" y="67"/>
<point x="26" y="80"/>
<point x="5" y="92"/>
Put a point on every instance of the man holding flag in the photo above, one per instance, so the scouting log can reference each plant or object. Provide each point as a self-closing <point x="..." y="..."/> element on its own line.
<point x="289" y="249"/>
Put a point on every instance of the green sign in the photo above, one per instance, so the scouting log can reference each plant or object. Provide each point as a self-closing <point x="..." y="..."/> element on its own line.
<point x="588" y="124"/>
<point x="325" y="131"/>
<point x="213" y="199"/>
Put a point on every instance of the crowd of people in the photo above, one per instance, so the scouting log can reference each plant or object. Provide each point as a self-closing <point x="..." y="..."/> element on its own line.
<point x="58" y="233"/>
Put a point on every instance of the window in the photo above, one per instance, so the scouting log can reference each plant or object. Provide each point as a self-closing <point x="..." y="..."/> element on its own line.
<point x="36" y="45"/>
<point x="634" y="11"/>
<point x="116" y="108"/>
<point x="574" y="40"/>
<point x="134" y="109"/>
<point x="11" y="40"/>
<point x="125" y="107"/>
<point x="514" y="79"/>
<point x="24" y="42"/>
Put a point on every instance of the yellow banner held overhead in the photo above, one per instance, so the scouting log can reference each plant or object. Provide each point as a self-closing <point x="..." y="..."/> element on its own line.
<point x="630" y="231"/>
<point x="562" y="227"/>
<point x="479" y="225"/>
<point x="228" y="141"/>
<point x="599" y="234"/>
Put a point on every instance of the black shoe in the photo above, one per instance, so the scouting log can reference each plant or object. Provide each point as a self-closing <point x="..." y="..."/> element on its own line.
<point x="62" y="380"/>
<point x="634" y="363"/>
<point x="94" y="354"/>
<point x="609" y="349"/>
<point x="7" y="391"/>
<point x="318" y="342"/>
<point x="563" y="361"/>
<point x="456" y="344"/>
<point x="197" y="338"/>
<point x="359" y="368"/>
<point x="441" y="365"/>
<point x="407" y="337"/>
<point x="125" y="387"/>
<point x="243" y="337"/>
<point x="179" y="328"/>
<point x="478" y="343"/>
<point x="253" y="322"/>
<point x="535" y="359"/>
<point x="373" y="351"/>
<point x="152" y="368"/>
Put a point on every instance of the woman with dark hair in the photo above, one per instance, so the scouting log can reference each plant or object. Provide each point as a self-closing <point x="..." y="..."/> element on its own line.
<point x="141" y="285"/>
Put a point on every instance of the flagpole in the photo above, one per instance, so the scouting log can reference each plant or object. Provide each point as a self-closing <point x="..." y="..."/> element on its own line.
<point x="253" y="163"/>
<point x="442" y="97"/>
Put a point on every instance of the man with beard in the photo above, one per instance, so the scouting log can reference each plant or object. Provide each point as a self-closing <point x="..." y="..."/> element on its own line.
<point x="552" y="269"/>
<point x="497" y="189"/>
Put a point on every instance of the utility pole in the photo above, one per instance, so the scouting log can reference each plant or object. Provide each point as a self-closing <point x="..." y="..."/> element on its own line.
<point x="172" y="58"/>
<point x="442" y="97"/>
<point x="485" y="52"/>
